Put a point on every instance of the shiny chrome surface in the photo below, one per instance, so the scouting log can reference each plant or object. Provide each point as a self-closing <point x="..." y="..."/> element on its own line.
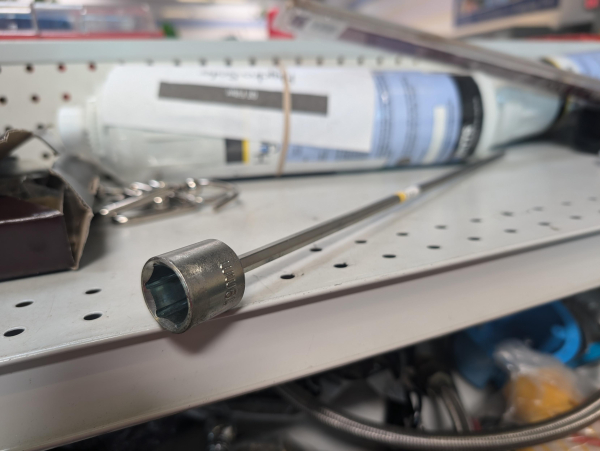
<point x="190" y="285"/>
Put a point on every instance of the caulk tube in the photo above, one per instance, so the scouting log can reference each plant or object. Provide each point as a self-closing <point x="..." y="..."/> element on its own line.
<point x="513" y="111"/>
<point x="149" y="122"/>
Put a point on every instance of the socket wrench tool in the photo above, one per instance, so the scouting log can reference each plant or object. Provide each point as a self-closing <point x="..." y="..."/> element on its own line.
<point x="187" y="286"/>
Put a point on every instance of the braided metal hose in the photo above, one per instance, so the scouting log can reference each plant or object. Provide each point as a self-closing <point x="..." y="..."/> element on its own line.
<point x="534" y="434"/>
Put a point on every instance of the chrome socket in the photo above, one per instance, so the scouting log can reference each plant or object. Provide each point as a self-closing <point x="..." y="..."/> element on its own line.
<point x="193" y="284"/>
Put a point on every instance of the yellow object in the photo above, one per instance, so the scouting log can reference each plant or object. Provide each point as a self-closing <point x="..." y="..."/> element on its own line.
<point x="542" y="395"/>
<point x="246" y="151"/>
<point x="540" y="388"/>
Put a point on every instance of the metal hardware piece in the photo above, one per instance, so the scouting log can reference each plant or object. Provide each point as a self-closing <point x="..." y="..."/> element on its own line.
<point x="142" y="201"/>
<point x="187" y="286"/>
<point x="209" y="272"/>
<point x="134" y="201"/>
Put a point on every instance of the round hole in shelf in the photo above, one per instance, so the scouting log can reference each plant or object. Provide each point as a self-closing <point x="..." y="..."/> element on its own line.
<point x="228" y="61"/>
<point x="92" y="66"/>
<point x="46" y="155"/>
<point x="389" y="256"/>
<point x="360" y="241"/>
<point x="476" y="220"/>
<point x="298" y="61"/>
<point x="474" y="238"/>
<point x="14" y="331"/>
<point x="276" y="61"/>
<point x="3" y="100"/>
<point x="66" y="97"/>
<point x="176" y="62"/>
<point x="35" y="98"/>
<point x="315" y="249"/>
<point x="434" y="246"/>
<point x="402" y="234"/>
<point x="511" y="230"/>
<point x="566" y="204"/>
<point x="544" y="223"/>
<point x="40" y="126"/>
<point x="23" y="304"/>
<point x="29" y="68"/>
<point x="202" y="62"/>
<point x="507" y="213"/>
<point x="61" y="67"/>
<point x="441" y="227"/>
<point x="341" y="265"/>
<point x="93" y="291"/>
<point x="92" y="316"/>
<point x="288" y="276"/>
<point x="575" y="217"/>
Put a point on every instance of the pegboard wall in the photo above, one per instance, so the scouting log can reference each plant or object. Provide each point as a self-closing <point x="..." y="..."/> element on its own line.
<point x="49" y="75"/>
<point x="39" y="77"/>
<point x="31" y="94"/>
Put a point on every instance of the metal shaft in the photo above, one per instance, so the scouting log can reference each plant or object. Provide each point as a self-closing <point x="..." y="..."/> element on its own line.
<point x="190" y="285"/>
<point x="272" y="251"/>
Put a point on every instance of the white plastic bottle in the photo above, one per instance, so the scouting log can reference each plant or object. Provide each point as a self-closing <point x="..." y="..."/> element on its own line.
<point x="149" y="122"/>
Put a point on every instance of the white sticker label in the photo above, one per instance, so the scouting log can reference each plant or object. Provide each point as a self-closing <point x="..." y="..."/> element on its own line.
<point x="412" y="191"/>
<point x="438" y="132"/>
<point x="331" y="107"/>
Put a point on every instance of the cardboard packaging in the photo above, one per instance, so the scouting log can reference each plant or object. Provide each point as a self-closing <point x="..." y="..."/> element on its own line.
<point x="45" y="214"/>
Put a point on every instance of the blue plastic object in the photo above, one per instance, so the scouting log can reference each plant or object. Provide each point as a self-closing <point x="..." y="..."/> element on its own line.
<point x="550" y="329"/>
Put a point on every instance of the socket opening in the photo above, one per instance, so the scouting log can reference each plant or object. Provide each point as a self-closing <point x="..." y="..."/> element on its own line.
<point x="165" y="294"/>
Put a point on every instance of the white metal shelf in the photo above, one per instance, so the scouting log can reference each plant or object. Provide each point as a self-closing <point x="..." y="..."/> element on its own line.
<point x="74" y="378"/>
<point x="523" y="201"/>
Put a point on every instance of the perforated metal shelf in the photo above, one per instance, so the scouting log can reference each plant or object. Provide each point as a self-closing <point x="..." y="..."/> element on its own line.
<point x="521" y="202"/>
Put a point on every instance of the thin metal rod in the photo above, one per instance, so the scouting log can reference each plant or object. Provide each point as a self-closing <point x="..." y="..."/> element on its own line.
<point x="359" y="29"/>
<point x="273" y="251"/>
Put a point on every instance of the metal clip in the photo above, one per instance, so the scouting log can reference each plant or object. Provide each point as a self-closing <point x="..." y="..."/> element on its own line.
<point x="142" y="201"/>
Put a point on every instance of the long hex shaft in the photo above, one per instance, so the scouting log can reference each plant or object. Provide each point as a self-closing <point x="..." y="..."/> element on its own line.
<point x="273" y="251"/>
<point x="190" y="285"/>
